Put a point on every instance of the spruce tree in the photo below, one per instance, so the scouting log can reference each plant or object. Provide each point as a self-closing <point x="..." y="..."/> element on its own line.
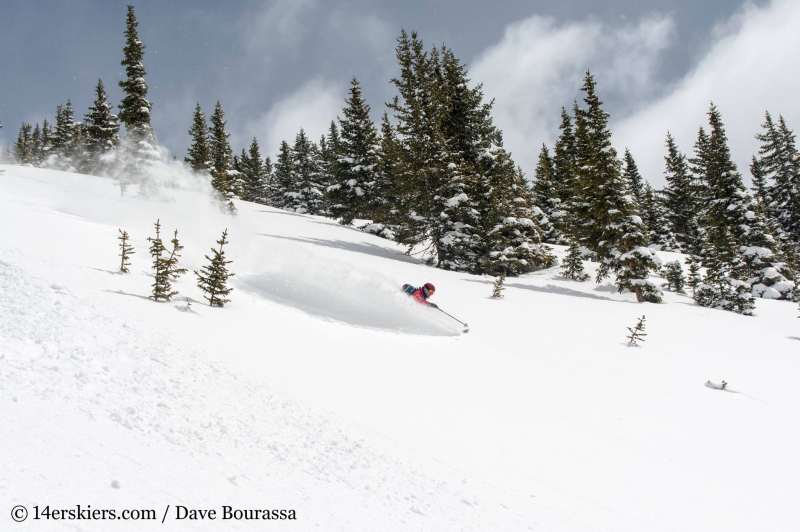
<point x="307" y="194"/>
<point x="675" y="278"/>
<point x="23" y="147"/>
<point x="565" y="167"/>
<point x="38" y="145"/>
<point x="605" y="213"/>
<point x="514" y="243"/>
<point x="350" y="193"/>
<point x="284" y="186"/>
<point x="102" y="129"/>
<point x="254" y="175"/>
<point x="545" y="197"/>
<point x="779" y="165"/>
<point x="126" y="250"/>
<point x="162" y="288"/>
<point x="173" y="270"/>
<point x="655" y="219"/>
<point x="573" y="264"/>
<point x="636" y="185"/>
<point x="681" y="201"/>
<point x="135" y="109"/>
<point x="63" y="143"/>
<point x="199" y="154"/>
<point x="213" y="278"/>
<point x="221" y="154"/>
<point x="47" y="142"/>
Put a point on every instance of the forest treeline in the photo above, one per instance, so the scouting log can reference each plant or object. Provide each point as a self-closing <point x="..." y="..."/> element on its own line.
<point x="433" y="175"/>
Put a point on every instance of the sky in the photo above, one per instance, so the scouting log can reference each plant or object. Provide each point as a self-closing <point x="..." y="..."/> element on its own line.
<point x="279" y="65"/>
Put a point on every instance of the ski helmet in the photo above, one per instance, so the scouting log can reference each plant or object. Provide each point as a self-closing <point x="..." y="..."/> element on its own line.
<point x="429" y="288"/>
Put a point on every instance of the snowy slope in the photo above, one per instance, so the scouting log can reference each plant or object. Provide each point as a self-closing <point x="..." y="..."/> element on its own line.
<point x="323" y="389"/>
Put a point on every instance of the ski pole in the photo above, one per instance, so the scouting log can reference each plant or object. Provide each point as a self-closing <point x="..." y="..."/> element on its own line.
<point x="459" y="321"/>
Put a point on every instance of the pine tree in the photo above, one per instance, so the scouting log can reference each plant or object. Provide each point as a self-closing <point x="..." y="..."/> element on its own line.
<point x="497" y="288"/>
<point x="222" y="160"/>
<point x="675" y="278"/>
<point x="126" y="250"/>
<point x="694" y="277"/>
<point x="162" y="288"/>
<point x="573" y="264"/>
<point x="779" y="165"/>
<point x="514" y="243"/>
<point x="36" y="138"/>
<point x="545" y="197"/>
<point x="565" y="167"/>
<point x="283" y="180"/>
<point x="254" y="175"/>
<point x="307" y="194"/>
<point x="199" y="153"/>
<point x="655" y="220"/>
<point x="63" y="140"/>
<point x="173" y="270"/>
<point x="350" y="193"/>
<point x="633" y="178"/>
<point x="681" y="201"/>
<point x="23" y="148"/>
<point x="636" y="333"/>
<point x="212" y="279"/>
<point x="46" y="143"/>
<point x="102" y="129"/>
<point x="135" y="109"/>
<point x="605" y="213"/>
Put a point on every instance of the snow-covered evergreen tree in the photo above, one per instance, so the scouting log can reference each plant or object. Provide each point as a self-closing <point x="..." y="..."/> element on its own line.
<point x="572" y="268"/>
<point x="545" y="197"/>
<point x="675" y="278"/>
<point x="350" y="192"/>
<point x="655" y="220"/>
<point x="565" y="167"/>
<point x="779" y="165"/>
<point x="306" y="196"/>
<point x="606" y="219"/>
<point x="254" y="175"/>
<point x="636" y="185"/>
<point x="102" y="130"/>
<point x="680" y="199"/>
<point x="24" y="146"/>
<point x="135" y="109"/>
<point x="223" y="176"/>
<point x="283" y="180"/>
<point x="199" y="153"/>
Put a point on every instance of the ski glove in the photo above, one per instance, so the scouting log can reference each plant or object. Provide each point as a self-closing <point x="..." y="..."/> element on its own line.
<point x="434" y="305"/>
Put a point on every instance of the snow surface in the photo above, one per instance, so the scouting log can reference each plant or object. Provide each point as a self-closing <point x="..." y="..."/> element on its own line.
<point x="322" y="388"/>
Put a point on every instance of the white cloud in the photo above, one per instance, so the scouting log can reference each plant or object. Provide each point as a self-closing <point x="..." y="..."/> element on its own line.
<point x="311" y="107"/>
<point x="539" y="65"/>
<point x="750" y="68"/>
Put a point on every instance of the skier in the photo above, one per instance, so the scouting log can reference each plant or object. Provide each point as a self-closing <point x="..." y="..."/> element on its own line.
<point x="421" y="294"/>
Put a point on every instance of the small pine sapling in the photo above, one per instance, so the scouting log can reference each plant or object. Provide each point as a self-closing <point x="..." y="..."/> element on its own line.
<point x="694" y="273"/>
<point x="162" y="289"/>
<point x="675" y="279"/>
<point x="637" y="333"/>
<point x="212" y="279"/>
<point x="573" y="264"/>
<point x="172" y="262"/>
<point x="497" y="290"/>
<point x="126" y="250"/>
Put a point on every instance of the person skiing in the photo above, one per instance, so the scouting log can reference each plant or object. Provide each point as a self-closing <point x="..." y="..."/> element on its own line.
<point x="422" y="294"/>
